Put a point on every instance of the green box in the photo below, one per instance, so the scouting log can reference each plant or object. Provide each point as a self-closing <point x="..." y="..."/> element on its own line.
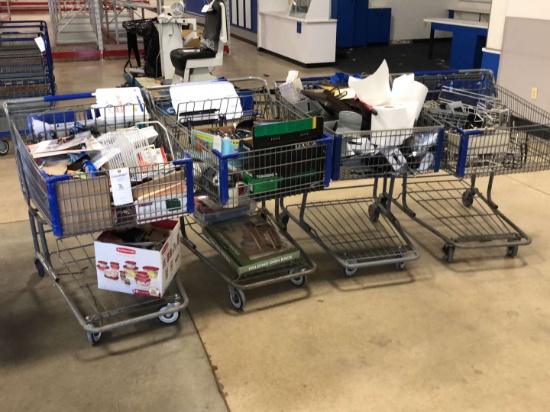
<point x="262" y="184"/>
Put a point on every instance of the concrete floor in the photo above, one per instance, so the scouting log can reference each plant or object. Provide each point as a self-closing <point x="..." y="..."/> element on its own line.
<point x="473" y="335"/>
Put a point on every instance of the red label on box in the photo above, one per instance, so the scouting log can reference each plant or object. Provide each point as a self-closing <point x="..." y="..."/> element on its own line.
<point x="126" y="250"/>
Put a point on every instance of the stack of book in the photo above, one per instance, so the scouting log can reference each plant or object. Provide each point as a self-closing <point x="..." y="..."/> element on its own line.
<point x="251" y="244"/>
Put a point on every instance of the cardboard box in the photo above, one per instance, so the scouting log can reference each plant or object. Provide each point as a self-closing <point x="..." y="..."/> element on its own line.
<point x="138" y="271"/>
<point x="84" y="206"/>
<point x="191" y="39"/>
<point x="162" y="198"/>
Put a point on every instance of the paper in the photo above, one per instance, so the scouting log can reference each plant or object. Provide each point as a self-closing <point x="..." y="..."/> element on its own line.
<point x="40" y="43"/>
<point x="82" y="142"/>
<point x="118" y="104"/>
<point x="375" y="89"/>
<point x="400" y="87"/>
<point x="121" y="187"/>
<point x="198" y="101"/>
<point x="292" y="75"/>
<point x="290" y="91"/>
<point x="417" y="92"/>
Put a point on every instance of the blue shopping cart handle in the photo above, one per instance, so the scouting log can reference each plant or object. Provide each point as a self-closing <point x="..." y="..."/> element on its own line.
<point x="74" y="96"/>
<point x="471" y="132"/>
<point x="435" y="72"/>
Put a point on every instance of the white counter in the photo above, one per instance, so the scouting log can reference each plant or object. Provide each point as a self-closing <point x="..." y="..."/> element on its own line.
<point x="308" y="41"/>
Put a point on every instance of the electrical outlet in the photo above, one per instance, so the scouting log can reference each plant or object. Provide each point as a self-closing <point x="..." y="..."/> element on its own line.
<point x="534" y="93"/>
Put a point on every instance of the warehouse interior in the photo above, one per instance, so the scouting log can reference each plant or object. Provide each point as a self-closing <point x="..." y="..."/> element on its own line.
<point x="468" y="335"/>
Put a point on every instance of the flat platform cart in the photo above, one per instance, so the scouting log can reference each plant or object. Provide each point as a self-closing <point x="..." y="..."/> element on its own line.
<point x="26" y="70"/>
<point x="67" y="213"/>
<point x="362" y="231"/>
<point x="511" y="137"/>
<point x="226" y="177"/>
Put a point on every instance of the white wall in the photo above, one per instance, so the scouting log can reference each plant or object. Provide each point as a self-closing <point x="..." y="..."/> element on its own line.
<point x="529" y="9"/>
<point x="408" y="17"/>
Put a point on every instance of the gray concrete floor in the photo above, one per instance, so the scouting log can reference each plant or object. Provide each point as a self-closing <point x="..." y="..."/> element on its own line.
<point x="473" y="335"/>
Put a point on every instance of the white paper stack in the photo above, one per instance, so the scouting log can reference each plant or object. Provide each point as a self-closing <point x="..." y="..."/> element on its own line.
<point x="198" y="101"/>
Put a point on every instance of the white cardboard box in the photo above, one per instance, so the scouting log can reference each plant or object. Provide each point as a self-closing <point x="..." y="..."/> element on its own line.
<point x="138" y="271"/>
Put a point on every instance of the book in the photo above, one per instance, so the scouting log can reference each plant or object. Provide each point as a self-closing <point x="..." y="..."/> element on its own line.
<point x="251" y="244"/>
<point x="285" y="133"/>
<point x="207" y="211"/>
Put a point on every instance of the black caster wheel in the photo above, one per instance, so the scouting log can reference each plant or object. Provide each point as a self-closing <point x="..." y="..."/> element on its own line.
<point x="4" y="147"/>
<point x="237" y="298"/>
<point x="468" y="198"/>
<point x="449" y="253"/>
<point x="400" y="266"/>
<point x="93" y="337"/>
<point x="512" y="251"/>
<point x="350" y="271"/>
<point x="39" y="267"/>
<point x="383" y="200"/>
<point x="169" y="318"/>
<point x="374" y="213"/>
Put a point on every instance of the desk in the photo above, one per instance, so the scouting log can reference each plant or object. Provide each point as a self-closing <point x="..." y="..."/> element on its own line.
<point x="469" y="37"/>
<point x="462" y="13"/>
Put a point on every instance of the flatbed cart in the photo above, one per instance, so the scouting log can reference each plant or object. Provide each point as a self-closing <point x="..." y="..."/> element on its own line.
<point x="362" y="231"/>
<point x="512" y="137"/>
<point x="66" y="213"/>
<point x="26" y="71"/>
<point x="258" y="175"/>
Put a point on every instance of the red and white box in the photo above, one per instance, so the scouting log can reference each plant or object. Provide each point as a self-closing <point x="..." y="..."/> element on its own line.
<point x="137" y="271"/>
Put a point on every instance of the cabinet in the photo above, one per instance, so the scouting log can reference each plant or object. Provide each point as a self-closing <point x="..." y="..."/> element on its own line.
<point x="378" y="25"/>
<point x="358" y="25"/>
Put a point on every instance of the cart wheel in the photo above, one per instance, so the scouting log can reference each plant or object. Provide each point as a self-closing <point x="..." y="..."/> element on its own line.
<point x="374" y="213"/>
<point x="400" y="265"/>
<point x="449" y="252"/>
<point x="39" y="267"/>
<point x="170" y="317"/>
<point x="4" y="147"/>
<point x="298" y="280"/>
<point x="238" y="300"/>
<point x="512" y="251"/>
<point x="383" y="200"/>
<point x="468" y="198"/>
<point x="350" y="271"/>
<point x="93" y="337"/>
<point x="284" y="221"/>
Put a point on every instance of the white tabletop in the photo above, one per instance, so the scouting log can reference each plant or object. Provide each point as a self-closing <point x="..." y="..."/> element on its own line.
<point x="284" y="15"/>
<point x="457" y="22"/>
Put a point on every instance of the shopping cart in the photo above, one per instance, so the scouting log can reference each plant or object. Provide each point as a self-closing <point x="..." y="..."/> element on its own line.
<point x="511" y="137"/>
<point x="67" y="212"/>
<point x="362" y="231"/>
<point x="232" y="176"/>
<point x="25" y="69"/>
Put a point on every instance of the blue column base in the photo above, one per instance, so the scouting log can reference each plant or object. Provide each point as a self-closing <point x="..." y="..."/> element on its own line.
<point x="491" y="61"/>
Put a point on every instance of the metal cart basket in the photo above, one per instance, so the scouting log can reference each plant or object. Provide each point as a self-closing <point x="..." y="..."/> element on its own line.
<point x="362" y="231"/>
<point x="67" y="212"/>
<point x="510" y="137"/>
<point x="233" y="176"/>
<point x="26" y="70"/>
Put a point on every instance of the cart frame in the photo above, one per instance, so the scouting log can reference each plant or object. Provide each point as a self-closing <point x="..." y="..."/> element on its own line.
<point x="71" y="263"/>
